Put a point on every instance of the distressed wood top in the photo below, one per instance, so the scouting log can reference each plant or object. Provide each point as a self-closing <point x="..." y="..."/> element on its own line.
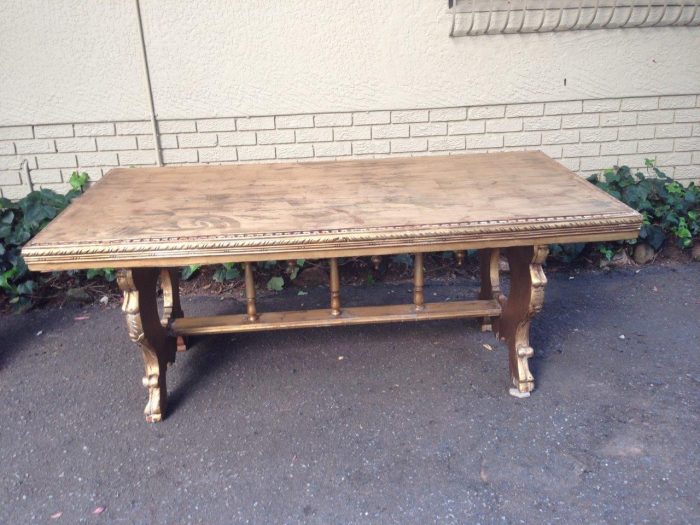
<point x="178" y="215"/>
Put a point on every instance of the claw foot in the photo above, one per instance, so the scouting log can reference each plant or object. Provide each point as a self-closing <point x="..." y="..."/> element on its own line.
<point x="518" y="394"/>
<point x="155" y="408"/>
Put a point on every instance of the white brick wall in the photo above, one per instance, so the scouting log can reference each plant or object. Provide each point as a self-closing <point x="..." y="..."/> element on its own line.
<point x="584" y="135"/>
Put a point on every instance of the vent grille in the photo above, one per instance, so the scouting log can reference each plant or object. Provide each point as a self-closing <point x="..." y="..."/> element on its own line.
<point x="492" y="17"/>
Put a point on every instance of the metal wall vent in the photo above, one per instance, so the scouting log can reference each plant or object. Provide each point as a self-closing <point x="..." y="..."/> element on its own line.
<point x="492" y="17"/>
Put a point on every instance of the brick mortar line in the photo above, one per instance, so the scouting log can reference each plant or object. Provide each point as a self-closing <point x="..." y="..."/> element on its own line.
<point x="350" y="111"/>
<point x="444" y="134"/>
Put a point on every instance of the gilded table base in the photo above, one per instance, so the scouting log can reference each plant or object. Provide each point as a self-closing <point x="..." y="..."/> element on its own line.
<point x="150" y="331"/>
<point x="524" y="301"/>
<point x="160" y="336"/>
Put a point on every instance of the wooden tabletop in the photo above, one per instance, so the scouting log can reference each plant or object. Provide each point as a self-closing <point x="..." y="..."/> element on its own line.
<point x="179" y="215"/>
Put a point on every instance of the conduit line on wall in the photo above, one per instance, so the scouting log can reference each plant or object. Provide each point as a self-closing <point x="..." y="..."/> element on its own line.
<point x="149" y="90"/>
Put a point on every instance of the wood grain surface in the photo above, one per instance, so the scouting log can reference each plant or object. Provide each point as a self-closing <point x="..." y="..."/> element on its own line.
<point x="177" y="215"/>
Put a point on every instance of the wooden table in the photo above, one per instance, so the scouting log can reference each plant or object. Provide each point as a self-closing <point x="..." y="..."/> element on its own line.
<point x="149" y="221"/>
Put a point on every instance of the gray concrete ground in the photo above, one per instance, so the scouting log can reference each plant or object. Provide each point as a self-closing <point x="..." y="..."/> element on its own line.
<point x="413" y="425"/>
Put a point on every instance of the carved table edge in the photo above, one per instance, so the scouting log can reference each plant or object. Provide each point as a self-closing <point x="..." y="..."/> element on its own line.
<point x="515" y="232"/>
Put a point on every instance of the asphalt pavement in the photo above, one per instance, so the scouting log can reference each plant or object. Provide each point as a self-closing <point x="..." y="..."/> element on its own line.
<point x="400" y="423"/>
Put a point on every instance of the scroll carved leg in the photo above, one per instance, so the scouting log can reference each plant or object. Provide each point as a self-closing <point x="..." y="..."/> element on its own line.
<point x="490" y="284"/>
<point x="146" y="329"/>
<point x="170" y="284"/>
<point x="525" y="300"/>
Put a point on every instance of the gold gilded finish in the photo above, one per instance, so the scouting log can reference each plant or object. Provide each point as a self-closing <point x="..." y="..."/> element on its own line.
<point x="418" y="281"/>
<point x="251" y="309"/>
<point x="525" y="300"/>
<point x="321" y="318"/>
<point x="170" y="284"/>
<point x="153" y="218"/>
<point x="335" y="287"/>
<point x="146" y="329"/>
<point x="490" y="284"/>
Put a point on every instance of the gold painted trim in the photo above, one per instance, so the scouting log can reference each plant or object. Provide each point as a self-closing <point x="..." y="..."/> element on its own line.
<point x="522" y="231"/>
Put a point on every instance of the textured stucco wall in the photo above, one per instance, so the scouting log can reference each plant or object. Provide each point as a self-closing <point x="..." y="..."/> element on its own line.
<point x="324" y="80"/>
<point x="78" y="60"/>
<point x="69" y="60"/>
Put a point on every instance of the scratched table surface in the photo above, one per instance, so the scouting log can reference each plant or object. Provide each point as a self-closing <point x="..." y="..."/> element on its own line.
<point x="152" y="216"/>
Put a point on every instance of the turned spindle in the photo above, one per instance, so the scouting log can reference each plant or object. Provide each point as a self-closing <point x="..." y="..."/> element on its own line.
<point x="418" y="298"/>
<point x="376" y="261"/>
<point x="335" y="287"/>
<point x="460" y="257"/>
<point x="250" y="293"/>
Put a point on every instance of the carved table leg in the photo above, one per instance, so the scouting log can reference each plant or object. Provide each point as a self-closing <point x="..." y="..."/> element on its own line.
<point x="490" y="284"/>
<point x="170" y="284"/>
<point x="526" y="297"/>
<point x="145" y="328"/>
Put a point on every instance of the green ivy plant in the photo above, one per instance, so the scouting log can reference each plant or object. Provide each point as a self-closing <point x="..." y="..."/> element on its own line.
<point x="226" y="272"/>
<point x="108" y="274"/>
<point x="606" y="251"/>
<point x="669" y="209"/>
<point x="189" y="271"/>
<point x="293" y="269"/>
<point x="275" y="284"/>
<point x="19" y="222"/>
<point x="232" y="271"/>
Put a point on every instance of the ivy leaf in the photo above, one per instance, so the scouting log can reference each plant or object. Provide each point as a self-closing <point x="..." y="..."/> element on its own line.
<point x="232" y="273"/>
<point x="226" y="272"/>
<point x="108" y="274"/>
<point x="78" y="180"/>
<point x="653" y="234"/>
<point x="26" y="288"/>
<point x="293" y="274"/>
<point x="20" y="235"/>
<point x="574" y="250"/>
<point x="188" y="271"/>
<point x="275" y="284"/>
<point x="635" y="195"/>
<point x="611" y="176"/>
<point x="219" y="275"/>
<point x="5" y="279"/>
